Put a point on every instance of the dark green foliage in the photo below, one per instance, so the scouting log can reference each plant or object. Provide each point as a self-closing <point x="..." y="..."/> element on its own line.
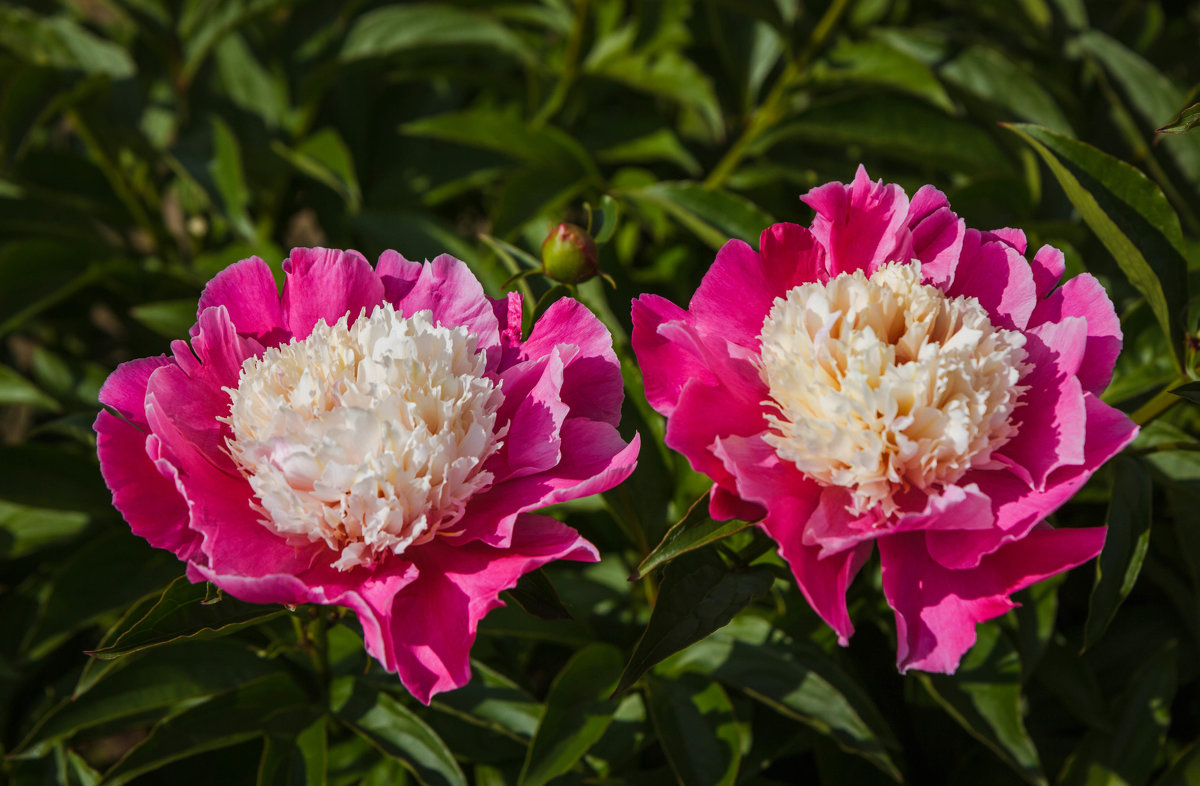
<point x="145" y="145"/>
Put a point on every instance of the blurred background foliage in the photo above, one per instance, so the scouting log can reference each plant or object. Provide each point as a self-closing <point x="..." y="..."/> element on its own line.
<point x="144" y="145"/>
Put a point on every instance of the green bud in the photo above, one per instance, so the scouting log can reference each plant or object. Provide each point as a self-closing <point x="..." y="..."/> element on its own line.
<point x="569" y="254"/>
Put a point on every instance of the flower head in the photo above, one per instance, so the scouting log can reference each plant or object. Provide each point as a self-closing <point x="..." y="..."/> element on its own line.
<point x="888" y="376"/>
<point x="374" y="439"/>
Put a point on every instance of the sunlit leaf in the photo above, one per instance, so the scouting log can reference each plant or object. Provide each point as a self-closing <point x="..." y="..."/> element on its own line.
<point x="1129" y="517"/>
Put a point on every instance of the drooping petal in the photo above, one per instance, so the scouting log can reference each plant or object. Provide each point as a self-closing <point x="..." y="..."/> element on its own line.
<point x="125" y="388"/>
<point x="435" y="619"/>
<point x="937" y="608"/>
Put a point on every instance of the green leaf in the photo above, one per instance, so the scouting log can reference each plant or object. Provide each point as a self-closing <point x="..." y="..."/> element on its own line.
<point x="24" y="530"/>
<point x="984" y="696"/>
<point x="892" y="127"/>
<point x="52" y="478"/>
<point x="274" y="705"/>
<point x="578" y="710"/>
<point x="158" y="680"/>
<point x="296" y="761"/>
<point x="1154" y="96"/>
<point x="506" y="132"/>
<point x="1189" y="391"/>
<point x="1131" y="217"/>
<point x="537" y="596"/>
<point x="16" y="390"/>
<point x="659" y="145"/>
<point x="1128" y="752"/>
<point x="39" y="272"/>
<point x="185" y="611"/>
<point x="989" y="74"/>
<point x="395" y="731"/>
<point x="699" y="594"/>
<point x="1185" y="770"/>
<point x="696" y="728"/>
<point x="58" y="42"/>
<point x="325" y="158"/>
<point x="1129" y="517"/>
<point x="877" y="63"/>
<point x="695" y="530"/>
<point x="609" y="214"/>
<point x="169" y="318"/>
<point x="1185" y="121"/>
<point x="226" y="172"/>
<point x="798" y="682"/>
<point x="712" y="215"/>
<point x="398" y="29"/>
<point x="492" y="700"/>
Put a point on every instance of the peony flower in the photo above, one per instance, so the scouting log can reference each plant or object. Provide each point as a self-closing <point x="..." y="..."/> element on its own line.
<point x="888" y="376"/>
<point x="374" y="439"/>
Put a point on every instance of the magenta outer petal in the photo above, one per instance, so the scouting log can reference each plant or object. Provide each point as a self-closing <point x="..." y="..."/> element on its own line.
<point x="858" y="224"/>
<point x="937" y="609"/>
<point x="1047" y="266"/>
<point x="1083" y="297"/>
<point x="397" y="274"/>
<point x="995" y="273"/>
<point x="327" y="284"/>
<point x="739" y="289"/>
<point x="125" y="388"/>
<point x="437" y="615"/>
<point x="448" y="289"/>
<point x="592" y="385"/>
<point x="247" y="291"/>
<point x="937" y="235"/>
<point x="148" y="500"/>
<point x="665" y="365"/>
<point x="534" y="411"/>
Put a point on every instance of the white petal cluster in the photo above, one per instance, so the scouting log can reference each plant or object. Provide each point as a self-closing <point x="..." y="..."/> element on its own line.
<point x="883" y="384"/>
<point x="369" y="437"/>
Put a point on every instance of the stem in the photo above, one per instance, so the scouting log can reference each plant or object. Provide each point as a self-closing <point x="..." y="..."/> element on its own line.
<point x="770" y="110"/>
<point x="570" y="67"/>
<point x="1156" y="406"/>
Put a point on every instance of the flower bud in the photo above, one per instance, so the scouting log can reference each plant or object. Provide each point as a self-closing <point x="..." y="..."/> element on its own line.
<point x="569" y="254"/>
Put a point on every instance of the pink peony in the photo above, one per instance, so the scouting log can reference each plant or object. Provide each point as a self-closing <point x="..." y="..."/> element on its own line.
<point x="374" y="439"/>
<point x="889" y="376"/>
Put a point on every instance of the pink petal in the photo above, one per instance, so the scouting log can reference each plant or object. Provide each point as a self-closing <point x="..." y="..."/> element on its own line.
<point x="937" y="235"/>
<point x="724" y="504"/>
<point x="327" y="284"/>
<point x="247" y="290"/>
<point x="594" y="459"/>
<point x="534" y="411"/>
<point x="148" y="500"/>
<point x="790" y="500"/>
<point x="739" y="289"/>
<point x="706" y="414"/>
<point x="592" y="385"/>
<point x="937" y="609"/>
<point x="509" y="316"/>
<point x="995" y="273"/>
<point x="125" y="388"/>
<point x="1082" y="296"/>
<point x="860" y="225"/>
<point x="1052" y="416"/>
<point x="447" y="288"/>
<point x="434" y="619"/>
<point x="665" y="365"/>
<point x="1018" y="507"/>
<point x="398" y="275"/>
<point x="1048" y="266"/>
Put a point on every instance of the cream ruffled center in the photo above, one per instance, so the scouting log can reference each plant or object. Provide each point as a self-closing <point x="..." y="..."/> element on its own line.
<point x="369" y="437"/>
<point x="883" y="384"/>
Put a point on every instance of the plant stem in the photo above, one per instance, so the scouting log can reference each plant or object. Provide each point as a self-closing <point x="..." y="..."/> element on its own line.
<point x="1162" y="401"/>
<point x="769" y="112"/>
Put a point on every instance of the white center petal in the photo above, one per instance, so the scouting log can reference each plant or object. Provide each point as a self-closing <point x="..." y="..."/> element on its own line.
<point x="368" y="437"/>
<point x="883" y="384"/>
